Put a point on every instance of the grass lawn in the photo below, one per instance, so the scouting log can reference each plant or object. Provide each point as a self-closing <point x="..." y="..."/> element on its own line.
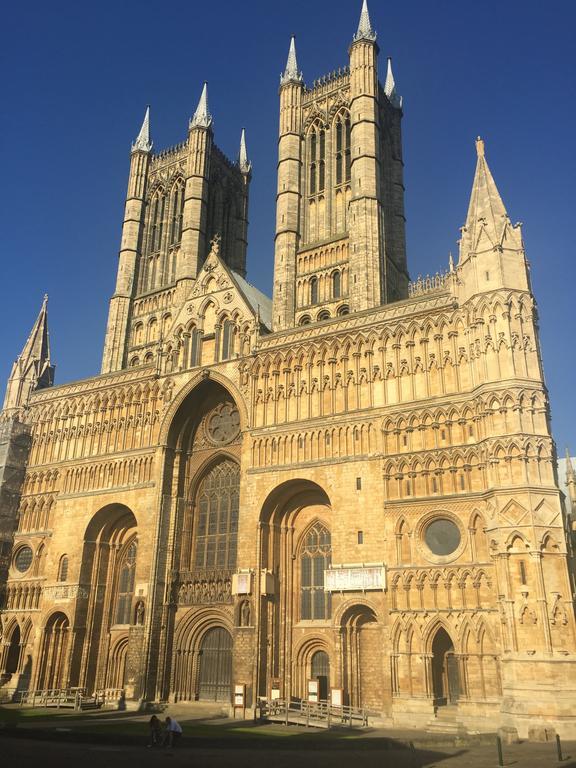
<point x="133" y="727"/>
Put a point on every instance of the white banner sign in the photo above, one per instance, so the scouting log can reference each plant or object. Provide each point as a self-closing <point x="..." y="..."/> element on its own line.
<point x="355" y="579"/>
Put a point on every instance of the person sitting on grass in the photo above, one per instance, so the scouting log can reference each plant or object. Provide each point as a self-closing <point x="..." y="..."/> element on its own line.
<point x="173" y="732"/>
<point x="156" y="736"/>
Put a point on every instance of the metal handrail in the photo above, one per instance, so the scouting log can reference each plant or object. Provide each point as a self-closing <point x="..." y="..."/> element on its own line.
<point x="314" y="712"/>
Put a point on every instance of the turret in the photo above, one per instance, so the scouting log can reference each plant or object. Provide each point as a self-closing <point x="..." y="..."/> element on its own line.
<point x="241" y="244"/>
<point x="32" y="369"/>
<point x="367" y="246"/>
<point x="288" y="194"/>
<point x="119" y="312"/>
<point x="491" y="247"/>
<point x="194" y="241"/>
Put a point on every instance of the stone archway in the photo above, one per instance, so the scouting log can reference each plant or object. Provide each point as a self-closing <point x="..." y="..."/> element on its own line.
<point x="104" y="611"/>
<point x="320" y="671"/>
<point x="295" y="544"/>
<point x="54" y="661"/>
<point x="445" y="675"/>
<point x="361" y="653"/>
<point x="215" y="668"/>
<point x="13" y="652"/>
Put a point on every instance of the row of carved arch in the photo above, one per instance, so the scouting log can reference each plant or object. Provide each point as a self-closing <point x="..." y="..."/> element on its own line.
<point x="23" y="597"/>
<point x="151" y="332"/>
<point x="117" y="434"/>
<point x="460" y="321"/>
<point x="474" y="470"/>
<point x="389" y="363"/>
<point x="138" y="394"/>
<point x="324" y="390"/>
<point x="508" y="411"/>
<point x="322" y="257"/>
<point x="113" y="474"/>
<point x="160" y="301"/>
<point x="347" y="440"/>
<point x="442" y="590"/>
<point x="35" y="513"/>
<point x="41" y="482"/>
<point x="413" y="633"/>
<point x="324" y="314"/>
<point x="320" y="288"/>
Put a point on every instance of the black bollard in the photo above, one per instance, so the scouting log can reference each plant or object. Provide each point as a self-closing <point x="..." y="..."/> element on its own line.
<point x="500" y="755"/>
<point x="559" y="748"/>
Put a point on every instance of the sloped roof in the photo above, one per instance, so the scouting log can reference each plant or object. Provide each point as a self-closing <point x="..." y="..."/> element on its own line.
<point x="257" y="300"/>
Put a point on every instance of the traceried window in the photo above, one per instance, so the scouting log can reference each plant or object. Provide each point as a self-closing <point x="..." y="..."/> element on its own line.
<point x="315" y="557"/>
<point x="343" y="160"/>
<point x="125" y="585"/>
<point x="217" y="510"/>
<point x="177" y="213"/>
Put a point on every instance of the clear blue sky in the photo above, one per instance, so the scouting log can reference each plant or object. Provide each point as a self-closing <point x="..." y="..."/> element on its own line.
<point x="77" y="77"/>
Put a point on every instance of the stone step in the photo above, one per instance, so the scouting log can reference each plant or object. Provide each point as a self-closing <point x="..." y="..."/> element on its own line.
<point x="446" y="725"/>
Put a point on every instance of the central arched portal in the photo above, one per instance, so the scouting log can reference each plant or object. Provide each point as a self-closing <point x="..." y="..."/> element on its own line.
<point x="215" y="677"/>
<point x="320" y="671"/>
<point x="445" y="677"/>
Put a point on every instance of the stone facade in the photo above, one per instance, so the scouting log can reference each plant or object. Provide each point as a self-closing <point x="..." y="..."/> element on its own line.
<point x="180" y="510"/>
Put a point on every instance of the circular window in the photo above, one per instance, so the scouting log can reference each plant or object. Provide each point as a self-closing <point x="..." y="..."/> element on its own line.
<point x="442" y="536"/>
<point x="23" y="559"/>
<point x="223" y="424"/>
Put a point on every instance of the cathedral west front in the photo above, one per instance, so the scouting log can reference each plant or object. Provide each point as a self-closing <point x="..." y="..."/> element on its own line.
<point x="348" y="489"/>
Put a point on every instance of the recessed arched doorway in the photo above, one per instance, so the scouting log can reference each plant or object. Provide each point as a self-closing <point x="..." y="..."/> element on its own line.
<point x="215" y="678"/>
<point x="54" y="656"/>
<point x="320" y="671"/>
<point x="445" y="676"/>
<point x="13" y="654"/>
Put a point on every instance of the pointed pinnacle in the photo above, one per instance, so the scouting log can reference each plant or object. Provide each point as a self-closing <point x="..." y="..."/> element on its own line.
<point x="291" y="73"/>
<point x="569" y="468"/>
<point x="480" y="147"/>
<point x="390" y="87"/>
<point x="244" y="164"/>
<point x="365" y="31"/>
<point x="143" y="142"/>
<point x="451" y="262"/>
<point x="202" y="117"/>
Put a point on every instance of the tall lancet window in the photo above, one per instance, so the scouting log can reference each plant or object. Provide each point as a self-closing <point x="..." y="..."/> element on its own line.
<point x="125" y="584"/>
<point x="343" y="160"/>
<point x="321" y="160"/>
<point x="313" y="160"/>
<point x="315" y="557"/>
<point x="176" y="213"/>
<point x="217" y="509"/>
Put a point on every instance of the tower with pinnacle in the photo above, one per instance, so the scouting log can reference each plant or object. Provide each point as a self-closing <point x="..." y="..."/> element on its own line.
<point x="33" y="368"/>
<point x="340" y="241"/>
<point x="178" y="200"/>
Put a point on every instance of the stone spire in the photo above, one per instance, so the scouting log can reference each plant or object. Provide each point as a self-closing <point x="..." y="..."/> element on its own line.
<point x="202" y="117"/>
<point x="390" y="87"/>
<point x="244" y="164"/>
<point x="291" y="73"/>
<point x="143" y="142"/>
<point x="32" y="370"/>
<point x="487" y="224"/>
<point x="365" y="31"/>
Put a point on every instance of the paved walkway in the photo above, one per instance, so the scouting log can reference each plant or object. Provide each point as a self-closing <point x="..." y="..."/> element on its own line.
<point x="30" y="753"/>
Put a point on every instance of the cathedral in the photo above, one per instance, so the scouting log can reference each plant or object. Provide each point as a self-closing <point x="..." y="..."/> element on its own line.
<point x="345" y="493"/>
